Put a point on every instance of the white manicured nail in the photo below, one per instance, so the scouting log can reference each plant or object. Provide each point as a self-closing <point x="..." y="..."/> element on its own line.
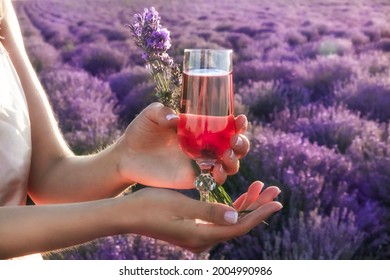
<point x="171" y="116"/>
<point x="245" y="124"/>
<point x="231" y="217"/>
<point x="238" y="142"/>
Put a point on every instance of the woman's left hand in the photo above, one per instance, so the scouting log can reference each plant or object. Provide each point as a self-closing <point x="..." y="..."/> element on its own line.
<point x="171" y="216"/>
<point x="149" y="151"/>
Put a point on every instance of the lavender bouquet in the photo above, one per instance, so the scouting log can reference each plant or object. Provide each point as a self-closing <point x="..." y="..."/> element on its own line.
<point x="155" y="41"/>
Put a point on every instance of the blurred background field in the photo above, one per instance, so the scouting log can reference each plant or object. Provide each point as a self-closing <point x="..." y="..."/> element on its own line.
<point x="313" y="78"/>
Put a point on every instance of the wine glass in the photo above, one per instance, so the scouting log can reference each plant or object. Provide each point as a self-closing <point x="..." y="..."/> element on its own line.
<point x="206" y="111"/>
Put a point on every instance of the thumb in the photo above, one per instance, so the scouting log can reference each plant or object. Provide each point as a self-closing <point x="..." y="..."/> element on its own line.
<point x="216" y="213"/>
<point x="161" y="115"/>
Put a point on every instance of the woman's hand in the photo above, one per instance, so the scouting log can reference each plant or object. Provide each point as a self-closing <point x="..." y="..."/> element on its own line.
<point x="150" y="154"/>
<point x="175" y="218"/>
<point x="255" y="197"/>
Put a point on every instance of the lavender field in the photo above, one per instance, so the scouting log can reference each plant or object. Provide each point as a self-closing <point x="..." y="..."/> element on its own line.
<point x="313" y="77"/>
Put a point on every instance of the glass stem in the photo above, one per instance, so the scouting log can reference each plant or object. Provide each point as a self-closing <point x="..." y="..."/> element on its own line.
<point x="205" y="182"/>
<point x="204" y="196"/>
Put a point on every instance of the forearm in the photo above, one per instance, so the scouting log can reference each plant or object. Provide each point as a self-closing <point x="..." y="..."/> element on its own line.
<point x="32" y="229"/>
<point x="80" y="178"/>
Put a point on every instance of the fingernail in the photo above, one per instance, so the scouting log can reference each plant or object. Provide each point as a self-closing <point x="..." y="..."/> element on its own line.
<point x="245" y="125"/>
<point x="221" y="168"/>
<point x="231" y="217"/>
<point x="231" y="156"/>
<point x="238" y="142"/>
<point x="171" y="116"/>
<point x="279" y="207"/>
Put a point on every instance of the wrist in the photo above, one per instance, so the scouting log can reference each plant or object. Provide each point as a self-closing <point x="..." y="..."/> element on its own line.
<point x="127" y="162"/>
<point x="125" y="215"/>
<point x="121" y="162"/>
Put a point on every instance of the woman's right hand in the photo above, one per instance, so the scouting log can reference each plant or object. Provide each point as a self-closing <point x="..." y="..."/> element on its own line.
<point x="149" y="152"/>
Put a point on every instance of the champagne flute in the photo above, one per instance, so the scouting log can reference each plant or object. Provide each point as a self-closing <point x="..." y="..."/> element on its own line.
<point x="206" y="111"/>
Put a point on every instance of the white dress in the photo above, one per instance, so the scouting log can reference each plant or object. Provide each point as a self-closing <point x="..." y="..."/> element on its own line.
<point x="15" y="135"/>
<point x="15" y="138"/>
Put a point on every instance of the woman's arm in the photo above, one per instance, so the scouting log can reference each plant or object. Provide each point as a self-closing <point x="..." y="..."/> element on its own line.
<point x="158" y="213"/>
<point x="56" y="175"/>
<point x="34" y="229"/>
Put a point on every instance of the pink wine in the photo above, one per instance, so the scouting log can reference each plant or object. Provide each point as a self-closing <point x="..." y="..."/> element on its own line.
<point x="205" y="137"/>
<point x="206" y="113"/>
<point x="207" y="92"/>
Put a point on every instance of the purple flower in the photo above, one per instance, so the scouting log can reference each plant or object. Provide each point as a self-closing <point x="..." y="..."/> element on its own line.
<point x="125" y="247"/>
<point x="84" y="106"/>
<point x="155" y="41"/>
<point x="151" y="17"/>
<point x="167" y="60"/>
<point x="159" y="40"/>
<point x="145" y="56"/>
<point x="149" y="34"/>
<point x="137" y="28"/>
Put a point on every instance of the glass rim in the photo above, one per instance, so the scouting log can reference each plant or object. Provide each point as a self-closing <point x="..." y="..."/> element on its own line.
<point x="208" y="50"/>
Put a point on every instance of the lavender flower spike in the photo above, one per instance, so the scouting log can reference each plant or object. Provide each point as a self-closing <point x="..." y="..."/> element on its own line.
<point x="155" y="41"/>
<point x="151" y="17"/>
<point x="159" y="40"/>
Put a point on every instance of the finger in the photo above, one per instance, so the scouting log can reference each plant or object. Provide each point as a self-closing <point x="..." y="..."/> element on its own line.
<point x="161" y="115"/>
<point x="252" y="195"/>
<point x="260" y="214"/>
<point x="244" y="225"/>
<point x="266" y="196"/>
<point x="215" y="213"/>
<point x="240" y="145"/>
<point x="241" y="123"/>
<point x="230" y="162"/>
<point x="219" y="173"/>
<point x="238" y="202"/>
